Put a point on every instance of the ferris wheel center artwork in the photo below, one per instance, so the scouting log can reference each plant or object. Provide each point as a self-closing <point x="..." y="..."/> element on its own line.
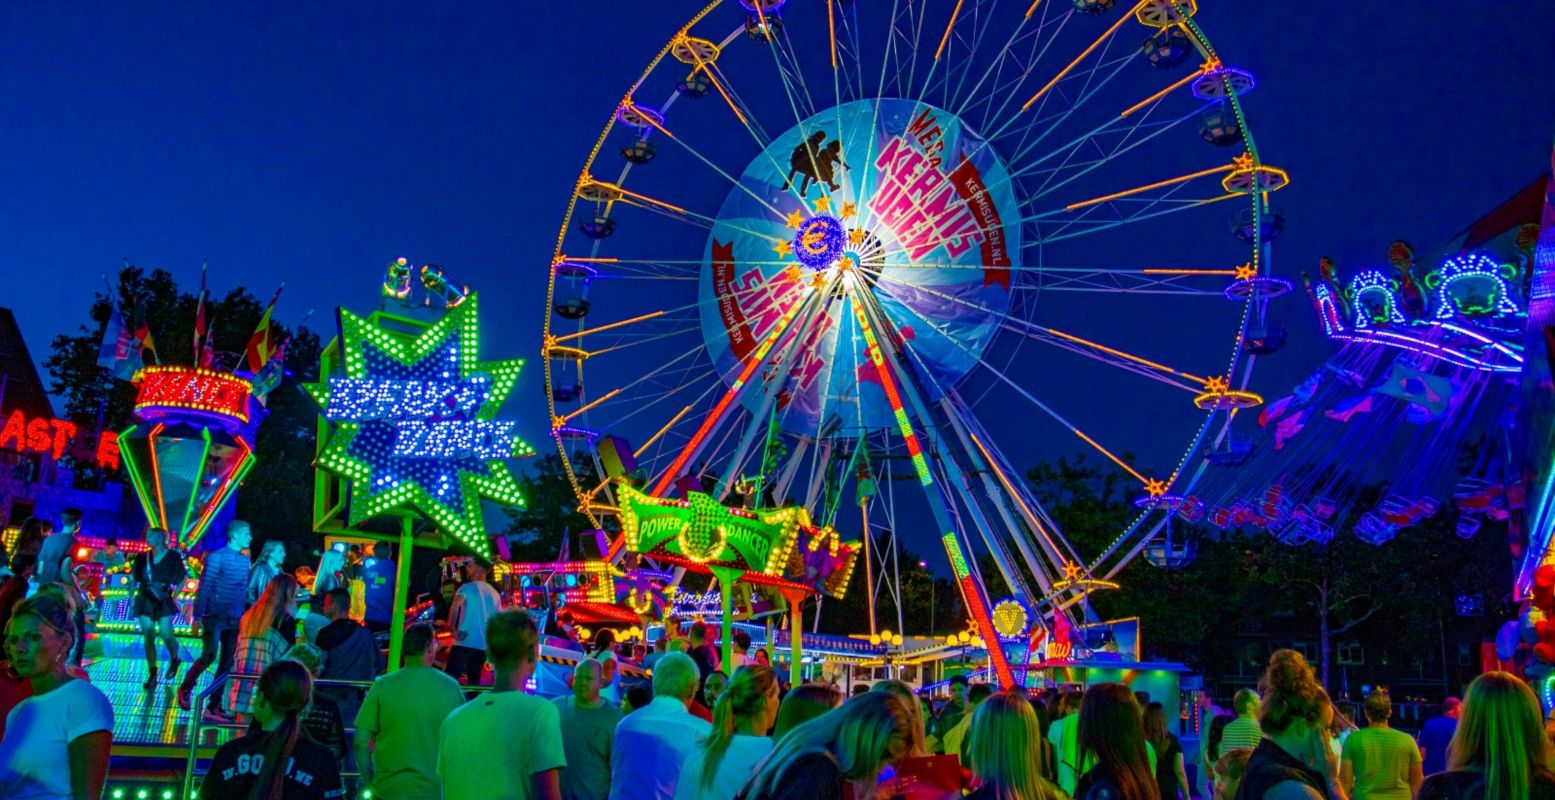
<point x="895" y="189"/>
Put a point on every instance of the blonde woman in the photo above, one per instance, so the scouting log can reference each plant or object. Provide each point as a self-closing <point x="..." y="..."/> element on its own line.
<point x="722" y="762"/>
<point x="264" y="634"/>
<point x="1499" y="751"/>
<point x="920" y="745"/>
<point x="838" y="754"/>
<point x="1004" y="751"/>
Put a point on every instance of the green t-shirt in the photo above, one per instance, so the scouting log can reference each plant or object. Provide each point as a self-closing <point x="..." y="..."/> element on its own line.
<point x="402" y="713"/>
<point x="586" y="737"/>
<point x="1381" y="760"/>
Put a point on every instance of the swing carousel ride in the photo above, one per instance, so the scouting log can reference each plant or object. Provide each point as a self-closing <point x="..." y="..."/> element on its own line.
<point x="825" y="260"/>
<point x="1425" y="383"/>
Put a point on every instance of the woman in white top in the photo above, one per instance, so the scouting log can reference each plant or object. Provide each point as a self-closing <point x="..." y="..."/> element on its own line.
<point x="57" y="741"/>
<point x="726" y="759"/>
<point x="603" y="650"/>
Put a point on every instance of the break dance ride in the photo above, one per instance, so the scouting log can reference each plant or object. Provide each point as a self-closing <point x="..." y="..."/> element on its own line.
<point x="821" y="252"/>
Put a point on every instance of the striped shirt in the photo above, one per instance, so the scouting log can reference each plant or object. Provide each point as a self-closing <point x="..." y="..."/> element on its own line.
<point x="1242" y="732"/>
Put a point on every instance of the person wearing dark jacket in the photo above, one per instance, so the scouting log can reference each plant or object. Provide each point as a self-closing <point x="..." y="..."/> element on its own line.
<point x="218" y="605"/>
<point x="350" y="653"/>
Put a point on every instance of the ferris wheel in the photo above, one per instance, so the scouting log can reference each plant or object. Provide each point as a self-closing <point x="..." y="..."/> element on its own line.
<point x="849" y="255"/>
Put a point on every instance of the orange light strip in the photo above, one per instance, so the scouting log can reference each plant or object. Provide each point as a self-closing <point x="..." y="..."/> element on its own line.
<point x="586" y="259"/>
<point x="1033" y="9"/>
<point x="1108" y="453"/>
<point x="642" y="197"/>
<point x="654" y="438"/>
<point x="1164" y="92"/>
<point x="753" y="361"/>
<point x="1126" y="356"/>
<point x="944" y="40"/>
<point x="1031" y="518"/>
<point x="1166" y="271"/>
<point x="1147" y="187"/>
<point x="587" y="407"/>
<point x="633" y="320"/>
<point x="717" y="84"/>
<point x="1087" y="51"/>
<point x="831" y="29"/>
<point x="156" y="474"/>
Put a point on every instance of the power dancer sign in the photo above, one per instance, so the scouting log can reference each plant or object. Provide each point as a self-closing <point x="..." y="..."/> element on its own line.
<point x="903" y="192"/>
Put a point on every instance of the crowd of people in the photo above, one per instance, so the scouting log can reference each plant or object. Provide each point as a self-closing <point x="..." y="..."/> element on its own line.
<point x="314" y="705"/>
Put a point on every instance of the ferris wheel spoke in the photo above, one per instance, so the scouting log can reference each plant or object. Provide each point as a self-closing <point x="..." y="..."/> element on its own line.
<point x="1091" y="349"/>
<point x="1071" y="229"/>
<point x="1008" y="54"/>
<point x="1122" y="19"/>
<point x="1049" y="410"/>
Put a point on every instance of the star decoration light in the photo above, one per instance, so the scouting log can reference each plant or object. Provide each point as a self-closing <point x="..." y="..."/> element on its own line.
<point x="848" y="209"/>
<point x="1155" y="487"/>
<point x="795" y="218"/>
<point x="415" y="427"/>
<point x="783" y="247"/>
<point x="1245" y="272"/>
<point x="823" y="203"/>
<point x="1072" y="571"/>
<point x="856" y="236"/>
<point x="1216" y="384"/>
<point x="793" y="273"/>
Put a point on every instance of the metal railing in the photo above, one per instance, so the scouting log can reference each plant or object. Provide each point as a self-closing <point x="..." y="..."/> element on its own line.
<point x="197" y="720"/>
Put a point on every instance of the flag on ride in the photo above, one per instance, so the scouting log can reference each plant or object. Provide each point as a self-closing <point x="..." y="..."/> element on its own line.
<point x="143" y="338"/>
<point x="1290" y="426"/>
<point x="261" y="345"/>
<point x="1344" y="410"/>
<point x="117" y="352"/>
<point x="1428" y="395"/>
<point x="207" y="354"/>
<point x="269" y="375"/>
<point x="201" y="325"/>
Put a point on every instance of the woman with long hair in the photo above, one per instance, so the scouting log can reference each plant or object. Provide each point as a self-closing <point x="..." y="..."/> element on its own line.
<point x="802" y="704"/>
<point x="847" y="747"/>
<point x="1004" y="751"/>
<point x="1171" y="776"/>
<point x="722" y="762"/>
<point x="920" y="725"/>
<point x="1293" y="759"/>
<point x="1114" y="754"/>
<point x="275" y="761"/>
<point x="330" y="574"/>
<point x="57" y="741"/>
<point x="1499" y="751"/>
<point x="157" y="573"/>
<point x="603" y="650"/>
<point x="29" y="540"/>
<point x="267" y="566"/>
<point x="264" y="633"/>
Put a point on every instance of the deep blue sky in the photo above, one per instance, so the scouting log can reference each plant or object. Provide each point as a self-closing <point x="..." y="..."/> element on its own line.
<point x="315" y="144"/>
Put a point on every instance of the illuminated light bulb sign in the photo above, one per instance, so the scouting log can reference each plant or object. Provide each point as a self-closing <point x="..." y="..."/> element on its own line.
<point x="413" y="427"/>
<point x="174" y="389"/>
<point x="190" y="447"/>
<point x="1473" y="285"/>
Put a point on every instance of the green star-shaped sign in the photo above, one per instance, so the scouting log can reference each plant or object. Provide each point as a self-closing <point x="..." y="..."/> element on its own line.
<point x="415" y="427"/>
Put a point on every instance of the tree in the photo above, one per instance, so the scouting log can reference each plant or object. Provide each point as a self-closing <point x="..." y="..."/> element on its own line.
<point x="550" y="511"/>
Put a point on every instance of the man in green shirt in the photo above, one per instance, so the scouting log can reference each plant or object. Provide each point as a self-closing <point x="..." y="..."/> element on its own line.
<point x="1380" y="763"/>
<point x="397" y="729"/>
<point x="588" y="729"/>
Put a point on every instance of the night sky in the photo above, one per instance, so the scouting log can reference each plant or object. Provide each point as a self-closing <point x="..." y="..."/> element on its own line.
<point x="314" y="146"/>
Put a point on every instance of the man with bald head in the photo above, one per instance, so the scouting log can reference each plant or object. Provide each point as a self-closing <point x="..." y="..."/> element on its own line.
<point x="652" y="743"/>
<point x="588" y="726"/>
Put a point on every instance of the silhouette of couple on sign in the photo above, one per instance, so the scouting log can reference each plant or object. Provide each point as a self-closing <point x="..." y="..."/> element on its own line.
<point x="815" y="162"/>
